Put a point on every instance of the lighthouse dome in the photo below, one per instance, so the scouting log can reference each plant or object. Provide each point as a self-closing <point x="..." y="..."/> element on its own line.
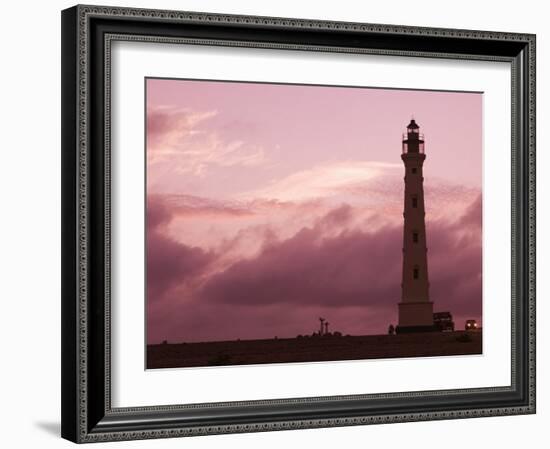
<point x="412" y="125"/>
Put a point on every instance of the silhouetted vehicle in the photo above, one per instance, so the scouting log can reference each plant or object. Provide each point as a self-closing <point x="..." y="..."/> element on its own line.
<point x="443" y="321"/>
<point x="471" y="325"/>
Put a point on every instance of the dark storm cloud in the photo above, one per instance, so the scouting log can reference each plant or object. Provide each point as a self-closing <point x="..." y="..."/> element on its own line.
<point x="455" y="263"/>
<point x="169" y="263"/>
<point x="350" y="269"/>
<point x="324" y="268"/>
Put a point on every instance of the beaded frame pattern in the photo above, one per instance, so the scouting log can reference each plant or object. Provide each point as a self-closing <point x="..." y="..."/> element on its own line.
<point x="84" y="14"/>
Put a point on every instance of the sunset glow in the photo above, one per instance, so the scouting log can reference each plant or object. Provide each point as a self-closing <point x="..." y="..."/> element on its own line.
<point x="271" y="205"/>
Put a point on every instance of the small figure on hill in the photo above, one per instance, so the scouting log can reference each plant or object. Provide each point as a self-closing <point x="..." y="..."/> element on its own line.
<point x="391" y="329"/>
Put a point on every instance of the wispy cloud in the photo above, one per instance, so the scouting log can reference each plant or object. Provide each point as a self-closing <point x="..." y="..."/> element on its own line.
<point x="168" y="127"/>
<point x="182" y="140"/>
<point x="325" y="180"/>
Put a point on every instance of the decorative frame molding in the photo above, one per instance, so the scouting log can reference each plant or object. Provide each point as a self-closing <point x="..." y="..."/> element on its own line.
<point x="87" y="34"/>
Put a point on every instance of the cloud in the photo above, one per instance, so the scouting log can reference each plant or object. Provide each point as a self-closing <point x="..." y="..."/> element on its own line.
<point x="372" y="186"/>
<point x="167" y="127"/>
<point x="198" y="207"/>
<point x="330" y="267"/>
<point x="473" y="214"/>
<point x="184" y="142"/>
<point x="169" y="263"/>
<point x="326" y="180"/>
<point x="350" y="268"/>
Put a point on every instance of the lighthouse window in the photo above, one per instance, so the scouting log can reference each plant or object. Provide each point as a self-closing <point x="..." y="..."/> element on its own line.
<point x="415" y="237"/>
<point x="414" y="202"/>
<point x="413" y="170"/>
<point x="415" y="273"/>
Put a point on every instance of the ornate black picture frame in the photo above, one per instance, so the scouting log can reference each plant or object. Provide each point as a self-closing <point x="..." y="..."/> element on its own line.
<point x="87" y="34"/>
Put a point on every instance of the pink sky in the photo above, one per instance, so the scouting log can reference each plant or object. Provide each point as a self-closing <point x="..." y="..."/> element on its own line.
<point x="271" y="205"/>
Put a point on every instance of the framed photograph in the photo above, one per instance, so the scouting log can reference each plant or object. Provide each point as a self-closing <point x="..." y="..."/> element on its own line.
<point x="275" y="223"/>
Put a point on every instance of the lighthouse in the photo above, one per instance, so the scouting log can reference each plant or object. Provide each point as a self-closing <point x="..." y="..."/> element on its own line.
<point x="415" y="308"/>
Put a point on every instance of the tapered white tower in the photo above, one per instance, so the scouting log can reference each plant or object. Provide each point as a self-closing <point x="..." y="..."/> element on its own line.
<point x="415" y="308"/>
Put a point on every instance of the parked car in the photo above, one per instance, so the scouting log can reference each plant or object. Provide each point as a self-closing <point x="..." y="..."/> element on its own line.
<point x="443" y="321"/>
<point x="471" y="325"/>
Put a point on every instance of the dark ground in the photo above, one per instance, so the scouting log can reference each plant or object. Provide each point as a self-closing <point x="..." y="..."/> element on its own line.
<point x="312" y="349"/>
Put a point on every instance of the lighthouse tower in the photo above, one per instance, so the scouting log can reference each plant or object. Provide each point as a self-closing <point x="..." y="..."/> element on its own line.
<point x="415" y="308"/>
